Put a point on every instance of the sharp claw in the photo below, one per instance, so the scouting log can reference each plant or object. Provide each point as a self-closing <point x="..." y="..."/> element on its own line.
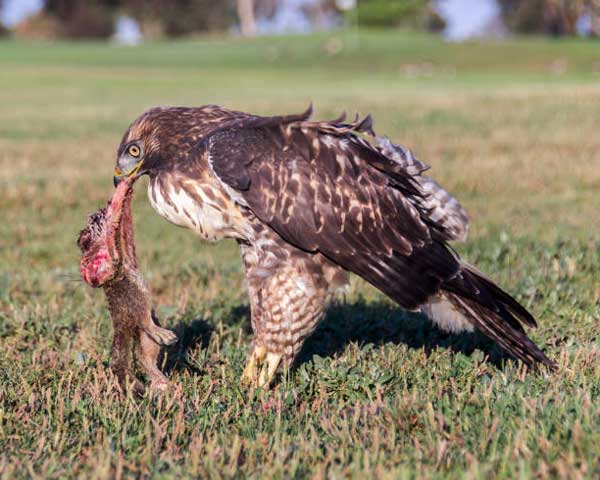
<point x="261" y="367"/>
<point x="269" y="368"/>
<point x="250" y="374"/>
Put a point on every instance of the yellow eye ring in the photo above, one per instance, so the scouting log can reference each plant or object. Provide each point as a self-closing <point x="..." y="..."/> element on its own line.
<point x="134" y="151"/>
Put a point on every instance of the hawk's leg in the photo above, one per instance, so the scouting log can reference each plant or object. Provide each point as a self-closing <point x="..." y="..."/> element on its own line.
<point x="288" y="294"/>
<point x="261" y="367"/>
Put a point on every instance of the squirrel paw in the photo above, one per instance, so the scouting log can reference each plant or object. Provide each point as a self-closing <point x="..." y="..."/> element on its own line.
<point x="161" y="336"/>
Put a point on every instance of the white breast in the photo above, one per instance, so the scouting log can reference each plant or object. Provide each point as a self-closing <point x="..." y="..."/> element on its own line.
<point x="192" y="208"/>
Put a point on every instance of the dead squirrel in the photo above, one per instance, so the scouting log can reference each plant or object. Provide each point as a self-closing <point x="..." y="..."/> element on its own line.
<point x="109" y="261"/>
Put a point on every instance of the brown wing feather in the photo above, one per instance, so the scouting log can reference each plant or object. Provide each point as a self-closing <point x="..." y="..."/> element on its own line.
<point x="326" y="190"/>
<point x="446" y="215"/>
<point x="323" y="188"/>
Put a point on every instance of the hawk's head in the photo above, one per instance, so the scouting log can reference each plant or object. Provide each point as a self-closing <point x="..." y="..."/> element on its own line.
<point x="140" y="148"/>
<point x="155" y="140"/>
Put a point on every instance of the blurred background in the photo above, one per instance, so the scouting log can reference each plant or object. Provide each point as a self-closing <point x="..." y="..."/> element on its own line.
<point x="133" y="21"/>
<point x="500" y="97"/>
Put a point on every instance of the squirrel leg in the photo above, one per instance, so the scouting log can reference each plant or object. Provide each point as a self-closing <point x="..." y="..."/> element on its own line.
<point x="147" y="352"/>
<point x="160" y="335"/>
<point x="121" y="357"/>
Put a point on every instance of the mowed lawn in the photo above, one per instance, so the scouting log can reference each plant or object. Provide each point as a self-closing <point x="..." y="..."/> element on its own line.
<point x="512" y="128"/>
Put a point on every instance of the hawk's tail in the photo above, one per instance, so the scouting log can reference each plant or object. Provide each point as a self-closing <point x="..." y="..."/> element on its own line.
<point x="483" y="304"/>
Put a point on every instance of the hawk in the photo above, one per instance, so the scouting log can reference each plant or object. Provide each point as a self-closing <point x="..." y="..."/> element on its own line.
<point x="308" y="202"/>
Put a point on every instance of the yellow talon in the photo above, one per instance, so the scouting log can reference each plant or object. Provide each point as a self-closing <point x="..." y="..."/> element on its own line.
<point x="261" y="367"/>
<point x="250" y="374"/>
<point x="269" y="368"/>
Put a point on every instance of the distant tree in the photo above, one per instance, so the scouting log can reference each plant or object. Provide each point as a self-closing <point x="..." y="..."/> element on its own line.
<point x="182" y="17"/>
<point x="385" y="13"/>
<point x="592" y="13"/>
<point x="3" y="30"/>
<point x="265" y="8"/>
<point x="96" y="18"/>
<point x="245" y="10"/>
<point x="39" y="26"/>
<point x="552" y="17"/>
<point x="83" y="18"/>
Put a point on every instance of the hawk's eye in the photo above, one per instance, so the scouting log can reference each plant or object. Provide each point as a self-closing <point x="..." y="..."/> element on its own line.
<point x="134" y="151"/>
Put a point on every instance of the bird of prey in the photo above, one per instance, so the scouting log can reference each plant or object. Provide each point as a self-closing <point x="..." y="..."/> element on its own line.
<point x="308" y="202"/>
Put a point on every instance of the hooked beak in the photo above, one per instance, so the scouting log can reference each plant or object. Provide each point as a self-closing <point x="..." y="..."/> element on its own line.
<point x="119" y="175"/>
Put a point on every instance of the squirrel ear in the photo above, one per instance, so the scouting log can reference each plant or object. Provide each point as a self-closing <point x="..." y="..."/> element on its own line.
<point x="83" y="241"/>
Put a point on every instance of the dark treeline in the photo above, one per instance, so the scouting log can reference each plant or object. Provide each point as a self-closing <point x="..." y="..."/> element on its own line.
<point x="157" y="18"/>
<point x="96" y="18"/>
<point x="550" y="17"/>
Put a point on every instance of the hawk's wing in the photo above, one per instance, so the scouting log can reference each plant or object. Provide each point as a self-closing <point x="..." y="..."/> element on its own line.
<point x="323" y="188"/>
<point x="443" y="209"/>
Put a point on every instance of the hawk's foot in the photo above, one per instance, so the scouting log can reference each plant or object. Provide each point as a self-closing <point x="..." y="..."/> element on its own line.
<point x="251" y="372"/>
<point x="261" y="367"/>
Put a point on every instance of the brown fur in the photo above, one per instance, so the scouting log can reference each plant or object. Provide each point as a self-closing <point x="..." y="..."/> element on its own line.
<point x="129" y="305"/>
<point x="111" y="230"/>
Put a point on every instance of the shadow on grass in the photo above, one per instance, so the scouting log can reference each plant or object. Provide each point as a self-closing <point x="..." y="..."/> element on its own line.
<point x="198" y="334"/>
<point x="190" y="335"/>
<point x="379" y="323"/>
<point x="359" y="322"/>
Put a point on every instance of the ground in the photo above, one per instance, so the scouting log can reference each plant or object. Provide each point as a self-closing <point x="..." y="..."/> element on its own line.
<point x="510" y="127"/>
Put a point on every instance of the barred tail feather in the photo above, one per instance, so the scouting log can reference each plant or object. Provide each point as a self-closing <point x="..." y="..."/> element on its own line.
<point x="511" y="339"/>
<point x="495" y="313"/>
<point x="472" y="300"/>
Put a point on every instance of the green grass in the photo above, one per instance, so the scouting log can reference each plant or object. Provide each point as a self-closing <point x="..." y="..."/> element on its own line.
<point x="510" y="127"/>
